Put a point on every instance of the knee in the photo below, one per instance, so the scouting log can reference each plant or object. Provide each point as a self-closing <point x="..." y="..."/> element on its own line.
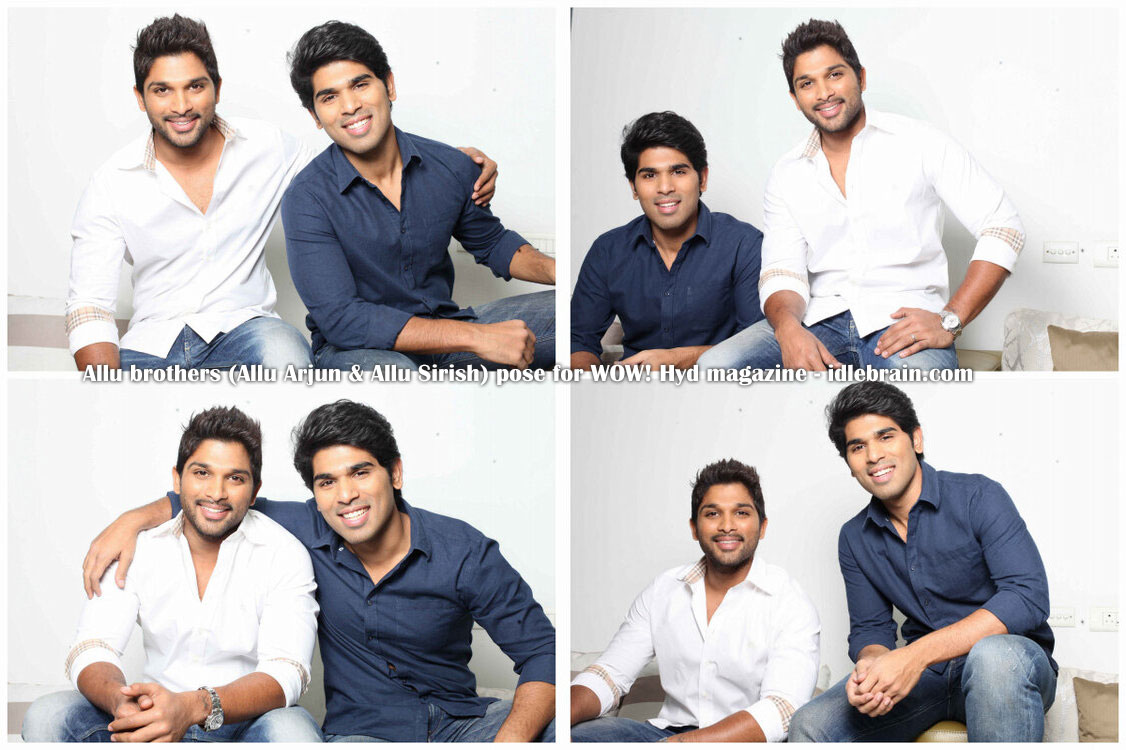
<point x="283" y="345"/>
<point x="45" y="720"/>
<point x="803" y="724"/>
<point x="1000" y="662"/>
<point x="292" y="724"/>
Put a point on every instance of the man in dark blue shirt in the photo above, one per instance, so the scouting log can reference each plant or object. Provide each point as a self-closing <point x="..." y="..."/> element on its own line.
<point x="368" y="225"/>
<point x="680" y="278"/>
<point x="399" y="590"/>
<point x="951" y="552"/>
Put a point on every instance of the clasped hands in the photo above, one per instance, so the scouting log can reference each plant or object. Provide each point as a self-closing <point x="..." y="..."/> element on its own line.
<point x="148" y="712"/>
<point x="879" y="682"/>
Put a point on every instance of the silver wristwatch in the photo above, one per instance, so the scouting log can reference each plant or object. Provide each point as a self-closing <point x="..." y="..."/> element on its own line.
<point x="214" y="719"/>
<point x="951" y="322"/>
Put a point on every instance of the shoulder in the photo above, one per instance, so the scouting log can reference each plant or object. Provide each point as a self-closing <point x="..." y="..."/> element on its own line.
<point x="778" y="581"/>
<point x="909" y="131"/>
<point x="618" y="236"/>
<point x="735" y="228"/>
<point x="441" y="156"/>
<point x="273" y="535"/>
<point x="449" y="534"/>
<point x="124" y="160"/>
<point x="967" y="487"/>
<point x="852" y="528"/>
<point x="316" y="174"/>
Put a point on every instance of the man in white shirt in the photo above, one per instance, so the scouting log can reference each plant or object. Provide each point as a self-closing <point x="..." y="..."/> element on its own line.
<point x="190" y="205"/>
<point x="853" y="268"/>
<point x="224" y="597"/>
<point x="736" y="639"/>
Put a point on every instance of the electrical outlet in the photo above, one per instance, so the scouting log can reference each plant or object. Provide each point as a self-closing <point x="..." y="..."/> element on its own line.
<point x="1104" y="619"/>
<point x="1105" y="254"/>
<point x="1062" y="617"/>
<point x="1061" y="251"/>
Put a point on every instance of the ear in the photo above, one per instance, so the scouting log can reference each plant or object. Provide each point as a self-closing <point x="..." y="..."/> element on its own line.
<point x="218" y="85"/>
<point x="794" y="99"/>
<point x="703" y="180"/>
<point x="316" y="120"/>
<point x="175" y="474"/>
<point x="917" y="439"/>
<point x="633" y="189"/>
<point x="257" y="489"/>
<point x="863" y="80"/>
<point x="692" y="525"/>
<point x="397" y="474"/>
<point x="762" y="528"/>
<point x="390" y="83"/>
<point x="140" y="99"/>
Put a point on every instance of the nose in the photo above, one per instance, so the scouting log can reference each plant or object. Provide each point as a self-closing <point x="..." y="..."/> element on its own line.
<point x="875" y="451"/>
<point x="824" y="91"/>
<point x="664" y="182"/>
<point x="349" y="101"/>
<point x="182" y="104"/>
<point x="215" y="488"/>
<point x="345" y="491"/>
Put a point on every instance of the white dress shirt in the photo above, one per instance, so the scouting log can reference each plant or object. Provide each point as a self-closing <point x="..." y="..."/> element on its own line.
<point x="258" y="613"/>
<point x="880" y="248"/>
<point x="204" y="270"/>
<point x="759" y="653"/>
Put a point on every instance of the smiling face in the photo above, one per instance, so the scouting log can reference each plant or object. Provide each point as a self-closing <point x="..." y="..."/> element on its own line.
<point x="827" y="90"/>
<point x="727" y="526"/>
<point x="354" y="493"/>
<point x="668" y="188"/>
<point x="216" y="488"/>
<point x="179" y="99"/>
<point x="352" y="105"/>
<point x="882" y="458"/>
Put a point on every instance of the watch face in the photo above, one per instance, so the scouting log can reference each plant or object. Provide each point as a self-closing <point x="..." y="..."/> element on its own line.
<point x="213" y="722"/>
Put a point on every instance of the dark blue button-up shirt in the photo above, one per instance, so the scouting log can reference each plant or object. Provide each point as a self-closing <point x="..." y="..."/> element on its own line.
<point x="362" y="267"/>
<point x="709" y="294"/>
<point x="390" y="650"/>
<point x="967" y="548"/>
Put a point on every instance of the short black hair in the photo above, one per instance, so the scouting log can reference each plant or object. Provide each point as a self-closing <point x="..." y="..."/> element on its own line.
<point x="869" y="397"/>
<point x="666" y="129"/>
<point x="328" y="43"/>
<point x="728" y="471"/>
<point x="173" y="36"/>
<point x="809" y="36"/>
<point x="226" y="424"/>
<point x="343" y="422"/>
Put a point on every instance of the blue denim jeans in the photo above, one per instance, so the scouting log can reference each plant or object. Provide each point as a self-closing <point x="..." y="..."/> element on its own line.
<point x="1000" y="690"/>
<point x="69" y="717"/>
<point x="537" y="310"/>
<point x="270" y="342"/>
<point x="443" y="727"/>
<point x="619" y="729"/>
<point x="757" y="348"/>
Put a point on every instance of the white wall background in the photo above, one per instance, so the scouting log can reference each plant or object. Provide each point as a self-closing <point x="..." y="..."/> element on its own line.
<point x="1052" y="443"/>
<point x="481" y="77"/>
<point x="79" y="454"/>
<point x="1025" y="91"/>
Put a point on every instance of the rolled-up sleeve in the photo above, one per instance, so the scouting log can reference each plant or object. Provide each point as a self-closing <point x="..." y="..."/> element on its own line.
<point x="325" y="282"/>
<point x="791" y="671"/>
<point x="631" y="648"/>
<point x="479" y="231"/>
<point x="869" y="612"/>
<point x="501" y="601"/>
<point x="591" y="309"/>
<point x="104" y="628"/>
<point x="976" y="200"/>
<point x="784" y="246"/>
<point x="1014" y="562"/>
<point x="95" y="268"/>
<point x="287" y="628"/>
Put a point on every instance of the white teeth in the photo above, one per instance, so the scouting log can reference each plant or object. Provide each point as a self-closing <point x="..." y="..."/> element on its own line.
<point x="881" y="472"/>
<point x="355" y="513"/>
<point x="360" y="124"/>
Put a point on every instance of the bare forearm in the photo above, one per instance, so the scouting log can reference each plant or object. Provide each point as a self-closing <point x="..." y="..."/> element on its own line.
<point x="430" y="336"/>
<point x="533" y="708"/>
<point x="784" y="308"/>
<point x="102" y="353"/>
<point x="101" y="683"/>
<point x="870" y="651"/>
<point x="584" y="704"/>
<point x="150" y="515"/>
<point x="686" y="356"/>
<point x="956" y="639"/>
<point x="738" y="727"/>
<point x="583" y="360"/>
<point x="249" y="697"/>
<point x="529" y="264"/>
<point x="982" y="282"/>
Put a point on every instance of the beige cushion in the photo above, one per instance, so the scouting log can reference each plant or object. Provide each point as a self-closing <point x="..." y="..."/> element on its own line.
<point x="979" y="360"/>
<point x="1098" y="710"/>
<point x="944" y="731"/>
<point x="1083" y="350"/>
<point x="1061" y="724"/>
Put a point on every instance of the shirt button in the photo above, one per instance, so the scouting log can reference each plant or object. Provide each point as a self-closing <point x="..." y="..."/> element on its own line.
<point x="668" y="294"/>
<point x="339" y="549"/>
<point x="912" y="567"/>
<point x="402" y="230"/>
<point x="371" y="637"/>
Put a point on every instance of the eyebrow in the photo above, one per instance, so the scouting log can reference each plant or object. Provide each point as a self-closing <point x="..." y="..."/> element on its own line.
<point x="681" y="165"/>
<point x="881" y="431"/>
<point x="353" y="467"/>
<point x="353" y="82"/>
<point x="202" y="465"/>
<point x="716" y="506"/>
<point x="829" y="69"/>
<point x="165" y="84"/>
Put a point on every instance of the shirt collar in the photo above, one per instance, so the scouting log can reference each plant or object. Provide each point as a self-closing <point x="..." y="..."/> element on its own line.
<point x="929" y="494"/>
<point x="872" y="119"/>
<point x="250" y="529"/>
<point x="420" y="537"/>
<point x="703" y="228"/>
<point x="756" y="576"/>
<point x="148" y="155"/>
<point x="346" y="173"/>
